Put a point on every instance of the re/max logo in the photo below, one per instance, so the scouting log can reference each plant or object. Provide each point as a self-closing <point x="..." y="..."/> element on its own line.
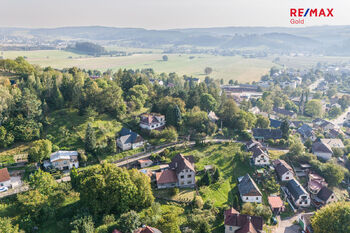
<point x="302" y="12"/>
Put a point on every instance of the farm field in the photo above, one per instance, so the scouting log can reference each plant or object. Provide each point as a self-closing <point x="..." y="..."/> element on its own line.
<point x="224" y="67"/>
<point x="304" y="62"/>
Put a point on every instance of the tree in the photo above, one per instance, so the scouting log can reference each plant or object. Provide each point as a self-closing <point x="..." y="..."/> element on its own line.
<point x="262" y="122"/>
<point x="208" y="70"/>
<point x="206" y="179"/>
<point x="216" y="175"/>
<point x="129" y="222"/>
<point x="111" y="145"/>
<point x="203" y="227"/>
<point x="333" y="217"/>
<point x="90" y="139"/>
<point x="296" y="148"/>
<point x="165" y="58"/>
<point x="169" y="223"/>
<point x="333" y="173"/>
<point x="6" y="138"/>
<point x="248" y="208"/>
<point x="207" y="102"/>
<point x="314" y="108"/>
<point x="285" y="129"/>
<point x="108" y="189"/>
<point x="40" y="150"/>
<point x="7" y="227"/>
<point x="84" y="224"/>
<point x="43" y="182"/>
<point x="338" y="152"/>
<point x="169" y="134"/>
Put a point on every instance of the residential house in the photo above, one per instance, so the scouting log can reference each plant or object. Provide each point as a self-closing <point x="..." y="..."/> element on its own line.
<point x="194" y="80"/>
<point x="323" y="148"/>
<point x="304" y="220"/>
<point x="334" y="133"/>
<point x="324" y="197"/>
<point x="260" y="156"/>
<point x="5" y="179"/>
<point x="284" y="113"/>
<point x="212" y="117"/>
<point x="266" y="134"/>
<point x="283" y="170"/>
<point x="255" y="110"/>
<point x="298" y="194"/>
<point x="151" y="121"/>
<point x="144" y="162"/>
<point x="250" y="144"/>
<point x="307" y="132"/>
<point x="241" y="223"/>
<point x="147" y="229"/>
<point x="64" y="160"/>
<point x="276" y="204"/>
<point x="129" y="140"/>
<point x="315" y="183"/>
<point x="295" y="124"/>
<point x="275" y="123"/>
<point x="181" y="173"/>
<point x="248" y="190"/>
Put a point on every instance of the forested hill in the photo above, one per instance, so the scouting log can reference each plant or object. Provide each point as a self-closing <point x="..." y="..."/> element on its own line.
<point x="331" y="40"/>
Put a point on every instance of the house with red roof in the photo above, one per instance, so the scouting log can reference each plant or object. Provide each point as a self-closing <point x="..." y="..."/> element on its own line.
<point x="147" y="229"/>
<point x="276" y="204"/>
<point x="241" y="223"/>
<point x="144" y="163"/>
<point x="181" y="173"/>
<point x="5" y="179"/>
<point x="151" y="121"/>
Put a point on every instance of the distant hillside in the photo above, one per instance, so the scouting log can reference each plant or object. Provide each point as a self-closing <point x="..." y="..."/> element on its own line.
<point x="321" y="39"/>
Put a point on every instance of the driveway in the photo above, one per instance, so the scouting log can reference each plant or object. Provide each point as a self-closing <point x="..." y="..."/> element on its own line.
<point x="287" y="226"/>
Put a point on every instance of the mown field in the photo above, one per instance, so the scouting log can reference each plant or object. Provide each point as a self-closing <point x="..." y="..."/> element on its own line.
<point x="224" y="67"/>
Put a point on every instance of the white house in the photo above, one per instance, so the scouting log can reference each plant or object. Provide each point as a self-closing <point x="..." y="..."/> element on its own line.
<point x="248" y="190"/>
<point x="181" y="173"/>
<point x="298" y="194"/>
<point x="144" y="162"/>
<point x="64" y="160"/>
<point x="260" y="156"/>
<point x="323" y="148"/>
<point x="284" y="171"/>
<point x="129" y="140"/>
<point x="5" y="179"/>
<point x="151" y="121"/>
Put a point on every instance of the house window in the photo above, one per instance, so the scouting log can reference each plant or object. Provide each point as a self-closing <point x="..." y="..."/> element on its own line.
<point x="246" y="198"/>
<point x="230" y="228"/>
<point x="189" y="182"/>
<point x="189" y="176"/>
<point x="257" y="198"/>
<point x="182" y="177"/>
<point x="287" y="178"/>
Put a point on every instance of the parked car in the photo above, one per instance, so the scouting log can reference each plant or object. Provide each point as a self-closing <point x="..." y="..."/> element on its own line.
<point x="3" y="189"/>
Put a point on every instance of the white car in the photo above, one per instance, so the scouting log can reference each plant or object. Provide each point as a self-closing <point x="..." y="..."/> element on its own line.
<point x="3" y="189"/>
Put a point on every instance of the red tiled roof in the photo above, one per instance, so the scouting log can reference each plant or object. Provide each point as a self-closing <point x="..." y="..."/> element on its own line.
<point x="4" y="175"/>
<point x="165" y="177"/>
<point x="230" y="211"/>
<point x="144" y="160"/>
<point x="275" y="202"/>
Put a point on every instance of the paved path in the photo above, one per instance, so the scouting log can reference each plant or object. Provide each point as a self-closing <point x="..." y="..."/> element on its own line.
<point x="287" y="226"/>
<point x="340" y="119"/>
<point x="14" y="191"/>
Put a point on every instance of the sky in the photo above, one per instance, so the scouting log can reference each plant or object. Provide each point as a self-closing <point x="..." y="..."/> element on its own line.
<point x="164" y="14"/>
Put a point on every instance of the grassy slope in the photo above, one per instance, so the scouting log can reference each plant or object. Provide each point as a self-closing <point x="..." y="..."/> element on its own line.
<point x="67" y="128"/>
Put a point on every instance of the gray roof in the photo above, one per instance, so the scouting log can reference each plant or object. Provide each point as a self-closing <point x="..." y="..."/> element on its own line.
<point x="321" y="147"/>
<point x="62" y="155"/>
<point x="267" y="133"/>
<point x="247" y="187"/>
<point x="295" y="189"/>
<point x="257" y="151"/>
<point x="305" y="130"/>
<point x="282" y="167"/>
<point x="324" y="194"/>
<point x="128" y="136"/>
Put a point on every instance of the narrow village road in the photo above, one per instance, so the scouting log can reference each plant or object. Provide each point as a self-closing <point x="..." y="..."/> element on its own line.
<point x="340" y="119"/>
<point x="287" y="226"/>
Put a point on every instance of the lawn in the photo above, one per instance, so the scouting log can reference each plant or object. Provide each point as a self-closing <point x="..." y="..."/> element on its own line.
<point x="66" y="128"/>
<point x="223" y="157"/>
<point x="225" y="67"/>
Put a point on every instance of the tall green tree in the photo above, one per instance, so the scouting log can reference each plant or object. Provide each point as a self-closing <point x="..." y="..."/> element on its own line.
<point x="40" y="150"/>
<point x="90" y="139"/>
<point x="208" y="102"/>
<point x="285" y="129"/>
<point x="333" y="217"/>
<point x="129" y="222"/>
